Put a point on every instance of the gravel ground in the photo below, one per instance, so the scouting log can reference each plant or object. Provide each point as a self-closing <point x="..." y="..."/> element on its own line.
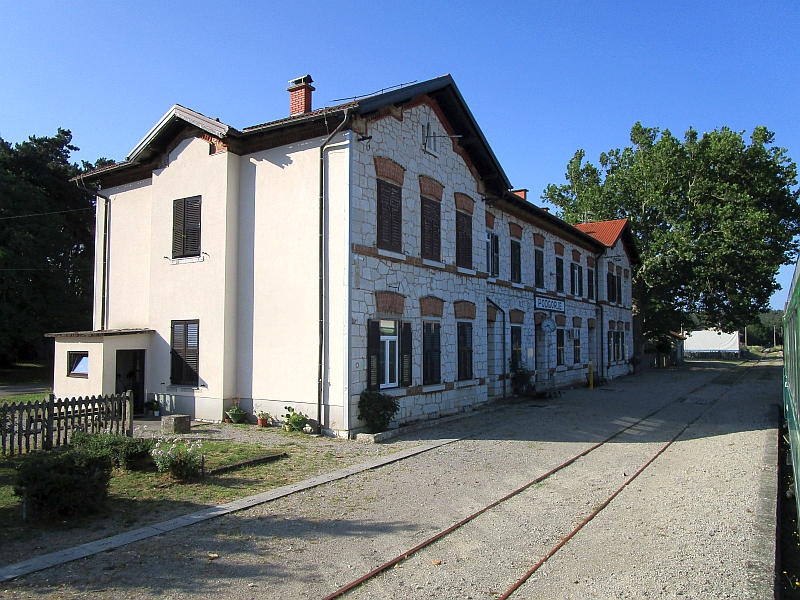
<point x="699" y="523"/>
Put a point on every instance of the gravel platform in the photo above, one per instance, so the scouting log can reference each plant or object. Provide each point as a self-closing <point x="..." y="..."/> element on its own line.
<point x="698" y="523"/>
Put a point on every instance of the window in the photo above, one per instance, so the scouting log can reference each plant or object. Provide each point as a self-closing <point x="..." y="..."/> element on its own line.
<point x="464" y="351"/>
<point x="185" y="352"/>
<point x="576" y="280"/>
<point x="616" y="342"/>
<point x="560" y="358"/>
<point x="429" y="139"/>
<point x="611" y="287"/>
<point x="539" y="266"/>
<point x="516" y="262"/>
<point x="492" y="254"/>
<point x="78" y="364"/>
<point x="516" y="347"/>
<point x="390" y="216"/>
<point x="559" y="274"/>
<point x="186" y="227"/>
<point x="463" y="240"/>
<point x="619" y="288"/>
<point x="610" y="346"/>
<point x="590" y="283"/>
<point x="431" y="353"/>
<point x="431" y="229"/>
<point x="388" y="354"/>
<point x="576" y="346"/>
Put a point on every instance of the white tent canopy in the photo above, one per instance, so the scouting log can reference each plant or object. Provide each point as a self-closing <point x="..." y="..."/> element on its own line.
<point x="711" y="340"/>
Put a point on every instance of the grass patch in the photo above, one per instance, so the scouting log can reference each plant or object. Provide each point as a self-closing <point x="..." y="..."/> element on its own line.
<point x="27" y="372"/>
<point x="138" y="498"/>
<point x="25" y="397"/>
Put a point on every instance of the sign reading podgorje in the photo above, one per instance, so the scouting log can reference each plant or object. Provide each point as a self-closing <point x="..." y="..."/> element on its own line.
<point x="543" y="303"/>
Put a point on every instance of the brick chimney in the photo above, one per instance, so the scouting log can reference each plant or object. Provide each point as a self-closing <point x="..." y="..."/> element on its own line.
<point x="522" y="193"/>
<point x="300" y="95"/>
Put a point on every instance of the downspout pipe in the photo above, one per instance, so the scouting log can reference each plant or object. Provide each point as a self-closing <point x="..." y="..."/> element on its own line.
<point x="602" y="317"/>
<point x="323" y="259"/>
<point x="104" y="279"/>
<point x="505" y="379"/>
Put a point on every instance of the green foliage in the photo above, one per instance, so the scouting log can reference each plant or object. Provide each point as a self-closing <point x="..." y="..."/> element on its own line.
<point x="377" y="410"/>
<point x="295" y="420"/>
<point x="46" y="261"/>
<point x="521" y="382"/>
<point x="183" y="460"/>
<point x="63" y="482"/>
<point x="124" y="452"/>
<point x="714" y="218"/>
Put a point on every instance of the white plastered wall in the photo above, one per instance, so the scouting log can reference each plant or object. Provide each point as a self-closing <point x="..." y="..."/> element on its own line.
<point x="278" y="283"/>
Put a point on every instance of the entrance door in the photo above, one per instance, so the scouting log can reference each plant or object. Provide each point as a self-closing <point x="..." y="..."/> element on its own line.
<point x="130" y="376"/>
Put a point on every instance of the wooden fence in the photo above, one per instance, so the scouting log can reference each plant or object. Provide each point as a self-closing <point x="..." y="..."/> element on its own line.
<point x="50" y="422"/>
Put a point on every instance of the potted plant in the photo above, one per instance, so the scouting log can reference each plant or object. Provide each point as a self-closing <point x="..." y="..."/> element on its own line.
<point x="264" y="419"/>
<point x="236" y="413"/>
<point x="152" y="407"/>
<point x="294" y="421"/>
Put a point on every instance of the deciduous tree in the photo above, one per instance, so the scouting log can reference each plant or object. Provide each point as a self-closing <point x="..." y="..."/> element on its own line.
<point x="714" y="217"/>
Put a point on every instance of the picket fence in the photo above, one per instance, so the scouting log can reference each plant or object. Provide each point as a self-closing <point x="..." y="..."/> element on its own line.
<point x="50" y="422"/>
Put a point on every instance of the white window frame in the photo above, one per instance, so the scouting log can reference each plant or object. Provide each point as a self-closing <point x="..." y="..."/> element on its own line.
<point x="386" y="353"/>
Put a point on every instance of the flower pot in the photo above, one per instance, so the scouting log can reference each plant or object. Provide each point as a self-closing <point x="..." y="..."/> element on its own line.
<point x="237" y="417"/>
<point x="263" y="423"/>
<point x="156" y="413"/>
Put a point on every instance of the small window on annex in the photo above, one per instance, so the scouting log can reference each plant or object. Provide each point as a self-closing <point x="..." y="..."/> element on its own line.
<point x="78" y="364"/>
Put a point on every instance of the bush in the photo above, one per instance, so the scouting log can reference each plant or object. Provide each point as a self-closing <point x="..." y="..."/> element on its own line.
<point x="377" y="410"/>
<point x="125" y="452"/>
<point x="62" y="483"/>
<point x="180" y="459"/>
<point x="295" y="420"/>
<point x="521" y="381"/>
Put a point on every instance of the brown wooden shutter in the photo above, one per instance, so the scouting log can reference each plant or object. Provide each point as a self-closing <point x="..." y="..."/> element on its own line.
<point x="178" y="343"/>
<point x="191" y="226"/>
<point x="192" y="354"/>
<point x="405" y="355"/>
<point x="431" y="229"/>
<point x="516" y="262"/>
<point x="559" y="274"/>
<point x="463" y="240"/>
<point x="464" y="350"/>
<point x="373" y="354"/>
<point x="539" y="257"/>
<point x="390" y="216"/>
<point x="177" y="228"/>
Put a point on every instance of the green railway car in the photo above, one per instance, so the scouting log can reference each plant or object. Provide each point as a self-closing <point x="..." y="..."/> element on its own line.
<point x="791" y="374"/>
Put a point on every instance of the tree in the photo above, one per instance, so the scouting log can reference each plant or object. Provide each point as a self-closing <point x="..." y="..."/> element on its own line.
<point x="714" y="218"/>
<point x="46" y="244"/>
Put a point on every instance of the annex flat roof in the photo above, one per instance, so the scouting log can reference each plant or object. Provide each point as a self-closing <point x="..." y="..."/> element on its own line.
<point x="97" y="333"/>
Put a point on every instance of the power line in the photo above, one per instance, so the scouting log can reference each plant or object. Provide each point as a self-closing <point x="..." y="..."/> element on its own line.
<point x="57" y="212"/>
<point x="46" y="269"/>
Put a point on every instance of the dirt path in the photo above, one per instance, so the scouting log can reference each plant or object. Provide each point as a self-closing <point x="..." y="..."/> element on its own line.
<point x="699" y="523"/>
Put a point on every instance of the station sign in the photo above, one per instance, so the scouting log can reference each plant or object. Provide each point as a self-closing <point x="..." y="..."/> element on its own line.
<point x="554" y="304"/>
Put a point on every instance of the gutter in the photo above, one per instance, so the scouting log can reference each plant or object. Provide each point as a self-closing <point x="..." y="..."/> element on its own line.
<point x="104" y="281"/>
<point x="323" y="259"/>
<point x="505" y="378"/>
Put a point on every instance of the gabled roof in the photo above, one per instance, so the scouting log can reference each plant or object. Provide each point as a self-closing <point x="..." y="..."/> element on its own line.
<point x="442" y="90"/>
<point x="609" y="232"/>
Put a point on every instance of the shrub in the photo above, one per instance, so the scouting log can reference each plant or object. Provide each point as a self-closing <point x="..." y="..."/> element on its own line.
<point x="521" y="381"/>
<point x="377" y="410"/>
<point x="65" y="482"/>
<point x="125" y="452"/>
<point x="295" y="420"/>
<point x="180" y="459"/>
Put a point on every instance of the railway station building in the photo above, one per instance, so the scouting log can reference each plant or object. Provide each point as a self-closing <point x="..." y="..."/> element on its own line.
<point x="374" y="244"/>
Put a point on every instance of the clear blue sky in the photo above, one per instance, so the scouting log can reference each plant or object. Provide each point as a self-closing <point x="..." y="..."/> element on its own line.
<point x="542" y="78"/>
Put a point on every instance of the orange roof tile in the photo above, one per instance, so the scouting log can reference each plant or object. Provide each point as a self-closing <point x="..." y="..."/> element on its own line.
<point x="607" y="232"/>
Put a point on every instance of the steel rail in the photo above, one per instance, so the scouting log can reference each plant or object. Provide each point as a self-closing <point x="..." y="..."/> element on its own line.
<point x="608" y="500"/>
<point x="401" y="557"/>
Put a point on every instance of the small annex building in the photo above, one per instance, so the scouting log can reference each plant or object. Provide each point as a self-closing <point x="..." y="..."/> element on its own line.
<point x="373" y="244"/>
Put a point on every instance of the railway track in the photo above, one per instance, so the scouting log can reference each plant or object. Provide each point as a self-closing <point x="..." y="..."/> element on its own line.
<point x="727" y="379"/>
